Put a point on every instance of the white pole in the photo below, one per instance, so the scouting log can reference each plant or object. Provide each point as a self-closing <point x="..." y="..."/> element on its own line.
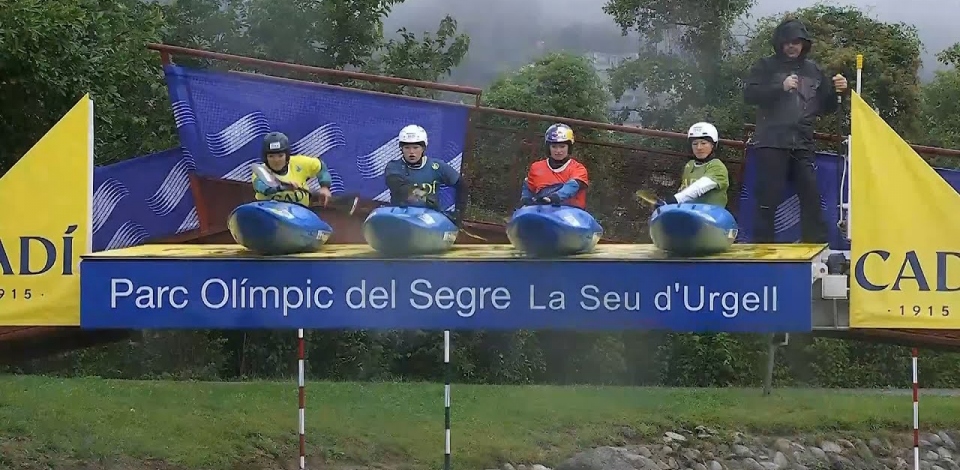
<point x="847" y="207"/>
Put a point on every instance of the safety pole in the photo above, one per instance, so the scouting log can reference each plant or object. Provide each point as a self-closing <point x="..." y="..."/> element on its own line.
<point x="916" y="413"/>
<point x="301" y="398"/>
<point x="447" y="373"/>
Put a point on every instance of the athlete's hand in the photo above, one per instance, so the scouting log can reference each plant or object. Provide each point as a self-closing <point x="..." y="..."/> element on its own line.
<point x="526" y="201"/>
<point x="324" y="195"/>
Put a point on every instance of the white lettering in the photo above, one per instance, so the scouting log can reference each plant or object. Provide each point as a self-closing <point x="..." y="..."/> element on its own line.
<point x="378" y="298"/>
<point x="729" y="304"/>
<point x="612" y="301"/>
<point x="219" y="288"/>
<point x="148" y="297"/>
<point x="555" y="301"/>
<point x="466" y="300"/>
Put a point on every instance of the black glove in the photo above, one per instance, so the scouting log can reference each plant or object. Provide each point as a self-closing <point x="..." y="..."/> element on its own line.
<point x="527" y="201"/>
<point x="669" y="200"/>
<point x="549" y="199"/>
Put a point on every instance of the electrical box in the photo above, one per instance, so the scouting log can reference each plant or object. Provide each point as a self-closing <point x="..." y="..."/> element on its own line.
<point x="833" y="286"/>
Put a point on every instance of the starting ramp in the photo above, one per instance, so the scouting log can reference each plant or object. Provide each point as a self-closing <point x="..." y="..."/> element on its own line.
<point x="751" y="288"/>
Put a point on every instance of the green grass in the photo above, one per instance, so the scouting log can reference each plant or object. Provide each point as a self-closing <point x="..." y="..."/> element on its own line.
<point x="216" y="425"/>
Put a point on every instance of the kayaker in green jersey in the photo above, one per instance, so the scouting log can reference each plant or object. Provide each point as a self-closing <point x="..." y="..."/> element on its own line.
<point x="705" y="179"/>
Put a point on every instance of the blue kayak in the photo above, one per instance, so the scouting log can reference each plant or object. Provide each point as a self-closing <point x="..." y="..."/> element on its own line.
<point x="693" y="229"/>
<point x="548" y="230"/>
<point x="278" y="228"/>
<point x="404" y="231"/>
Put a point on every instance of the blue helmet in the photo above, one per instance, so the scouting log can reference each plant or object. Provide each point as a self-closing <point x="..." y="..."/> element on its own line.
<point x="559" y="134"/>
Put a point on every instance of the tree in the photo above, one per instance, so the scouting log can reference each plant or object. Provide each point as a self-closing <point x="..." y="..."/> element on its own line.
<point x="336" y="34"/>
<point x="52" y="53"/>
<point x="557" y="84"/>
<point x="941" y="104"/>
<point x="684" y="56"/>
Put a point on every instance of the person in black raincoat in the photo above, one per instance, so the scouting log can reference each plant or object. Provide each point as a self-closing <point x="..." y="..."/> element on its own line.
<point x="789" y="91"/>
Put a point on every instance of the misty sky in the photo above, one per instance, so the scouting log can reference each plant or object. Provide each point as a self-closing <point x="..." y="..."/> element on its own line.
<point x="935" y="24"/>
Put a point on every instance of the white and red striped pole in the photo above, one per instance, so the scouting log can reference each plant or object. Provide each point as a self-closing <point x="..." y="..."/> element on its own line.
<point x="916" y="414"/>
<point x="302" y="398"/>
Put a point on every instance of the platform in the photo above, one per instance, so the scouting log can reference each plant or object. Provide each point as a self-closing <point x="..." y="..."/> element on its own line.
<point x="752" y="288"/>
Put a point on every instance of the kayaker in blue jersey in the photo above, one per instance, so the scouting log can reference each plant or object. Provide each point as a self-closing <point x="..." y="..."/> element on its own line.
<point x="415" y="180"/>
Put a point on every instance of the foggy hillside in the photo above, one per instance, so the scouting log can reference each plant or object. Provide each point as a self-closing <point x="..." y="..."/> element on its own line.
<point x="505" y="34"/>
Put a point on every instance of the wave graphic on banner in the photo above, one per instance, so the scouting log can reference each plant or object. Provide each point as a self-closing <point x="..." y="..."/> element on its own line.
<point x="143" y="198"/>
<point x="222" y="116"/>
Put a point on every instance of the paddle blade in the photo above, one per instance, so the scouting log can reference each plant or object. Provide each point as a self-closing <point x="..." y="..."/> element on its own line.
<point x="645" y="196"/>
<point x="345" y="203"/>
<point x="264" y="174"/>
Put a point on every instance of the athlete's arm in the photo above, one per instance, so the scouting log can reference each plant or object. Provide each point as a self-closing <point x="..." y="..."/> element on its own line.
<point x="396" y="182"/>
<point x="315" y="168"/>
<point x="262" y="187"/>
<point x="577" y="181"/>
<point x="715" y="177"/>
<point x="324" y="177"/>
<point x="451" y="177"/>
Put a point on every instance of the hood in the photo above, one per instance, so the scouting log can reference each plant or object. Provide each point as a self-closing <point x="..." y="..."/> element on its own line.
<point x="788" y="31"/>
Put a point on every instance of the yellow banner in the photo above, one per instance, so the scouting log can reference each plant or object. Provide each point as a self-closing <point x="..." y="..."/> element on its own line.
<point x="905" y="232"/>
<point x="45" y="224"/>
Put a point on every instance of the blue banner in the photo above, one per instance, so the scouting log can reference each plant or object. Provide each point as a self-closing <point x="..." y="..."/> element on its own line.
<point x="429" y="294"/>
<point x="787" y="219"/>
<point x="142" y="198"/>
<point x="222" y="116"/>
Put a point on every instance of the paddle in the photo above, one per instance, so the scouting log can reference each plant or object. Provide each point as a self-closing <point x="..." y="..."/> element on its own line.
<point x="342" y="202"/>
<point x="647" y="197"/>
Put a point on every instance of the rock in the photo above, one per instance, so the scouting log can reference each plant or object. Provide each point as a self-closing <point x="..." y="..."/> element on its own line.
<point x="601" y="458"/>
<point x="750" y="464"/>
<point x="628" y="432"/>
<point x="878" y="447"/>
<point x="642" y="450"/>
<point x="947" y="441"/>
<point x="783" y="445"/>
<point x="831" y="447"/>
<point x="780" y="460"/>
<point x="741" y="450"/>
<point x="839" y="462"/>
<point x="864" y="452"/>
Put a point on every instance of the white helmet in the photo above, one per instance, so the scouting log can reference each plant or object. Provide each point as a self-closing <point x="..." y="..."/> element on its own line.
<point x="704" y="130"/>
<point x="413" y="134"/>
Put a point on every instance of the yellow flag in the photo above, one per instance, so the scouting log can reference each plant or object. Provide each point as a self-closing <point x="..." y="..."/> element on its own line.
<point x="45" y="224"/>
<point x="905" y="232"/>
